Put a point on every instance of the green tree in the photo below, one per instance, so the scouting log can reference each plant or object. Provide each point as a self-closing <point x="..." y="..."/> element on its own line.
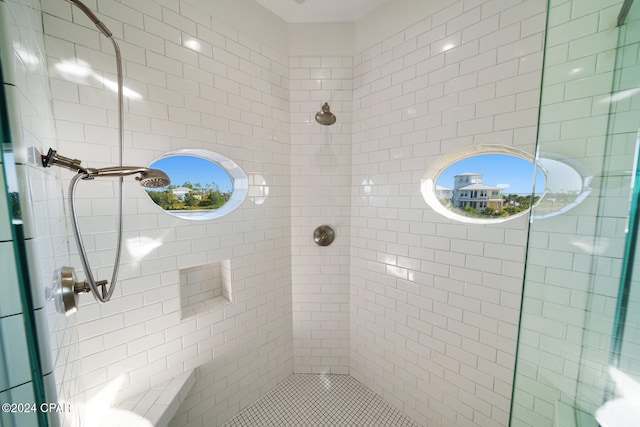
<point x="511" y="210"/>
<point x="201" y="197"/>
<point x="488" y="211"/>
<point x="165" y="199"/>
<point x="190" y="200"/>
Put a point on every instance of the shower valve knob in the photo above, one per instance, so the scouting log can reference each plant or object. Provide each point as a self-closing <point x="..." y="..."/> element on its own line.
<point x="103" y="287"/>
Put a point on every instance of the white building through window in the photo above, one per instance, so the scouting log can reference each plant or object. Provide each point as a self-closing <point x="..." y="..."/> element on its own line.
<point x="469" y="191"/>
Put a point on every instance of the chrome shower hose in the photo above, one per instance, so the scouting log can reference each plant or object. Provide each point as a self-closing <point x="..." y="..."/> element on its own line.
<point x="93" y="285"/>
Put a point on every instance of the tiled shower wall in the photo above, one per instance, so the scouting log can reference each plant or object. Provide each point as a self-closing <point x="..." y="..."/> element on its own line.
<point x="227" y="93"/>
<point x="42" y="207"/>
<point x="435" y="303"/>
<point x="320" y="186"/>
<point x="574" y="259"/>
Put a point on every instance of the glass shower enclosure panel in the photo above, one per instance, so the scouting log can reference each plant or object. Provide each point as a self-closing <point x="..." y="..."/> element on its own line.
<point x="578" y="342"/>
<point x="622" y="373"/>
<point x="22" y="389"/>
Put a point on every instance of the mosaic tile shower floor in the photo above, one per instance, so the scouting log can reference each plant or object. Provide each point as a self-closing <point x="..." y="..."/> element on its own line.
<point x="320" y="400"/>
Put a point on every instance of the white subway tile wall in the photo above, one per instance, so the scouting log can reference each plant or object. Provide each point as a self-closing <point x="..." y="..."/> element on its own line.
<point x="31" y="123"/>
<point x="138" y="340"/>
<point x="435" y="303"/>
<point x="195" y="87"/>
<point x="320" y="194"/>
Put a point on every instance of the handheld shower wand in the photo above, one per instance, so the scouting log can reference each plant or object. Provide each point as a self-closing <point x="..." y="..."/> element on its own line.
<point x="147" y="178"/>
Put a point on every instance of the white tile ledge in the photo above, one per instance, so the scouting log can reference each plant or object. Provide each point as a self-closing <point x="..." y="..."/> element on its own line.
<point x="204" y="307"/>
<point x="159" y="404"/>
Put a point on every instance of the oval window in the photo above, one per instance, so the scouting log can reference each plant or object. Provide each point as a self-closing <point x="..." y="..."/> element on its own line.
<point x="484" y="184"/>
<point x="204" y="184"/>
<point x="568" y="183"/>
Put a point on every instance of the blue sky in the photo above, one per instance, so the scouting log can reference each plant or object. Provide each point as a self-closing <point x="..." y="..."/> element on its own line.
<point x="194" y="170"/>
<point x="499" y="170"/>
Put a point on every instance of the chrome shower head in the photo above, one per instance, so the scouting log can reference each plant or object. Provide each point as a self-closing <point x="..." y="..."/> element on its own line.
<point x="149" y="178"/>
<point x="325" y="117"/>
<point x="153" y="178"/>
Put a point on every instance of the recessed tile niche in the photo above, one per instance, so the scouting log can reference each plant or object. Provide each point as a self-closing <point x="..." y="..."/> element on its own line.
<point x="205" y="288"/>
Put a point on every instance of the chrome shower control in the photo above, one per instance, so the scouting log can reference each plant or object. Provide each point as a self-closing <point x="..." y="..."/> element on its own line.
<point x="67" y="298"/>
<point x="324" y="235"/>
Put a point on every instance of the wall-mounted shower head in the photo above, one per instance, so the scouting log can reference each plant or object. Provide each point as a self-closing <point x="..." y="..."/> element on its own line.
<point x="149" y="178"/>
<point x="325" y="117"/>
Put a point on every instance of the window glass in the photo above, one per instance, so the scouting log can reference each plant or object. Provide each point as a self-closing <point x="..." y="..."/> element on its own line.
<point x="464" y="186"/>
<point x="204" y="185"/>
<point x="484" y="184"/>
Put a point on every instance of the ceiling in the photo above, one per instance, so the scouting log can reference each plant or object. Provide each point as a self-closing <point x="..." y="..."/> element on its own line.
<point x="300" y="11"/>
